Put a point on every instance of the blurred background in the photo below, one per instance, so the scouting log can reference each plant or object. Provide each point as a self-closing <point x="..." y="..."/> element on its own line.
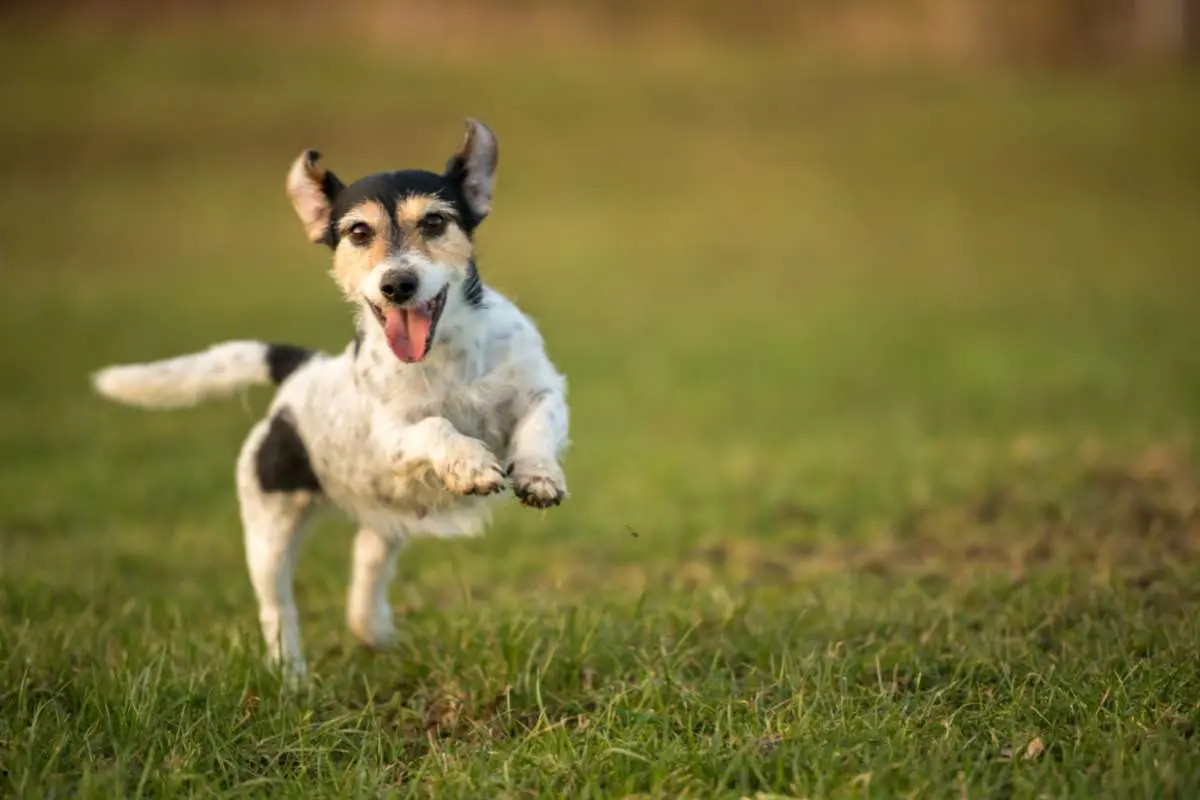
<point x="1083" y="32"/>
<point x="806" y="264"/>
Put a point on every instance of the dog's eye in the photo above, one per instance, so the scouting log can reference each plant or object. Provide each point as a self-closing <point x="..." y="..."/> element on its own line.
<point x="359" y="234"/>
<point x="433" y="224"/>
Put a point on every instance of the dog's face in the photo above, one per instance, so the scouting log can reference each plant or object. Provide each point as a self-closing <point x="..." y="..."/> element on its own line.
<point x="402" y="241"/>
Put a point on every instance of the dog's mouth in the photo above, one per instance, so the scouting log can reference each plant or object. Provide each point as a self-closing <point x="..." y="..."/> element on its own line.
<point x="409" y="329"/>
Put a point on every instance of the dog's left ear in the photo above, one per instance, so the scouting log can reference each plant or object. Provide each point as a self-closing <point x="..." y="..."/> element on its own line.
<point x="312" y="190"/>
<point x="473" y="167"/>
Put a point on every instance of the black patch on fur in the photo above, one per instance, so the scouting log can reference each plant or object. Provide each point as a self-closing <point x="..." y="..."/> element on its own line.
<point x="282" y="460"/>
<point x="331" y="185"/>
<point x="473" y="286"/>
<point x="455" y="175"/>
<point x="388" y="188"/>
<point x="358" y="340"/>
<point x="284" y="359"/>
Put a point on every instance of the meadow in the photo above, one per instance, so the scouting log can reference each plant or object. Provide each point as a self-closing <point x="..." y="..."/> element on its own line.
<point x="885" y="387"/>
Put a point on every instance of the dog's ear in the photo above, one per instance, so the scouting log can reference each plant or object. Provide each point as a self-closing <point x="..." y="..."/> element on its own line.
<point x="312" y="190"/>
<point x="473" y="167"/>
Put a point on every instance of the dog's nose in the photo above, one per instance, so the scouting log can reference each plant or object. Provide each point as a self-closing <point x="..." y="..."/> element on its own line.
<point x="398" y="286"/>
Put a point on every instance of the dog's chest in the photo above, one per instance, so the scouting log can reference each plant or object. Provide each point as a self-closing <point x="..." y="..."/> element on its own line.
<point x="363" y="469"/>
<point x="353" y="423"/>
<point x="477" y="409"/>
<point x="480" y="407"/>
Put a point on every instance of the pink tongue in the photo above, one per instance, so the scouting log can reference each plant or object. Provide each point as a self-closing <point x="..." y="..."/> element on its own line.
<point x="407" y="333"/>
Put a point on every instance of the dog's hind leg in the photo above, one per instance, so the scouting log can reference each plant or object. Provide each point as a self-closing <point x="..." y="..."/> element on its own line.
<point x="368" y="612"/>
<point x="273" y="522"/>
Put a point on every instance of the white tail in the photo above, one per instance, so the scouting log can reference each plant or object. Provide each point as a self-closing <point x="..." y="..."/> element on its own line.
<point x="219" y="371"/>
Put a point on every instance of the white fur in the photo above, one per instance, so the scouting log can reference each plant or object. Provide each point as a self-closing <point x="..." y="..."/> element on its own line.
<point x="184" y="381"/>
<point x="395" y="446"/>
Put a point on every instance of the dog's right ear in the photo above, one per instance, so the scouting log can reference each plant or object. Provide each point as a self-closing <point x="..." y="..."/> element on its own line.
<point x="473" y="168"/>
<point x="312" y="190"/>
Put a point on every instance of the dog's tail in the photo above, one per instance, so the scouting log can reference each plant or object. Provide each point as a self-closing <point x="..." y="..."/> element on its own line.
<point x="219" y="371"/>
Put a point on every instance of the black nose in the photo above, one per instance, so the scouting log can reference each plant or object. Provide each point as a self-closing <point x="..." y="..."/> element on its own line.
<point x="398" y="286"/>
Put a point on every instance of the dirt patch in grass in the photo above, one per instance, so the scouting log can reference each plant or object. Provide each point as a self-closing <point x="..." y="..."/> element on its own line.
<point x="1136" y="521"/>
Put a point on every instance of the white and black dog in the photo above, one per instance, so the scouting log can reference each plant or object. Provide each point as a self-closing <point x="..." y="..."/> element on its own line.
<point x="445" y="391"/>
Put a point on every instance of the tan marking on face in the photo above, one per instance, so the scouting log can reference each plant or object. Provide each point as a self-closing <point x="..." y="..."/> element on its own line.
<point x="351" y="263"/>
<point x="410" y="210"/>
<point x="452" y="248"/>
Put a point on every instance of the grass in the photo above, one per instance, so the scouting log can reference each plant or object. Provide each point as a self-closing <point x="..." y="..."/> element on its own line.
<point x="885" y="390"/>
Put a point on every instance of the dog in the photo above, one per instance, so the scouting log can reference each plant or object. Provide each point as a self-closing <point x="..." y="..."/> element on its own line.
<point x="445" y="393"/>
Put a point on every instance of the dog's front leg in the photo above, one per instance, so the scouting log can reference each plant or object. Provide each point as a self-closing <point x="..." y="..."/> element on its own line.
<point x="464" y="464"/>
<point x="537" y="443"/>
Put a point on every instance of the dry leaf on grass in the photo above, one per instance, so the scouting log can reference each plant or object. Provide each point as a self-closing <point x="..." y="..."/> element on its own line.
<point x="1035" y="748"/>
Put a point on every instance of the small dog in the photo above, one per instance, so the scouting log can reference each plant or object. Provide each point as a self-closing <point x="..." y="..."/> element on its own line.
<point x="444" y="393"/>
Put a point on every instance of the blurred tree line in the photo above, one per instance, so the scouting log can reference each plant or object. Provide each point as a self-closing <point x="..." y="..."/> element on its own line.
<point x="985" y="31"/>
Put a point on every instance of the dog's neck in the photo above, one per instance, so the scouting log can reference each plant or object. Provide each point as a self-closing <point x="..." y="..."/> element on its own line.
<point x="457" y="346"/>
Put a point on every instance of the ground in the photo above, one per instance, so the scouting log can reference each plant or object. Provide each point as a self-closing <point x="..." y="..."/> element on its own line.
<point x="885" y="389"/>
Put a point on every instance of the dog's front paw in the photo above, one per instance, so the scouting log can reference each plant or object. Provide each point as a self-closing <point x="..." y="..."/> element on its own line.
<point x="538" y="484"/>
<point x="471" y="469"/>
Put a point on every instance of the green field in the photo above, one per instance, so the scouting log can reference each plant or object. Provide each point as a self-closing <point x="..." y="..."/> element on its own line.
<point x="885" y="389"/>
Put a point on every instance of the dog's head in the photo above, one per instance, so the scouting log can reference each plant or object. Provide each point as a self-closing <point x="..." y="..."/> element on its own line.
<point x="402" y="241"/>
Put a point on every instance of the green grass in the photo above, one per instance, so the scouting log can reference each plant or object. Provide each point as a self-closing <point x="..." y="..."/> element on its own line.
<point x="884" y="392"/>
